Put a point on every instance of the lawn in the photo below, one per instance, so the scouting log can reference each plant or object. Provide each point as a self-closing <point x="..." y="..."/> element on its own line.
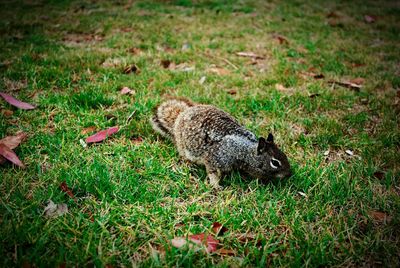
<point x="323" y="77"/>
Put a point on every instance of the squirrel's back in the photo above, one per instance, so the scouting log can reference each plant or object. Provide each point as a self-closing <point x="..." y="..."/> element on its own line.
<point x="166" y="114"/>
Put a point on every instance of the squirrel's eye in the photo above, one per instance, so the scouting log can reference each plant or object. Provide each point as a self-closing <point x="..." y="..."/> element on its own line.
<point x="275" y="163"/>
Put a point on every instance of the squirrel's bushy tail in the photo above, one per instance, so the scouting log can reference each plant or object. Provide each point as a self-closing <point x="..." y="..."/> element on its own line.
<point x="166" y="113"/>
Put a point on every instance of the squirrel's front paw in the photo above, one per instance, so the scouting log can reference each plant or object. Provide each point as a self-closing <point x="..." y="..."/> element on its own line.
<point x="214" y="181"/>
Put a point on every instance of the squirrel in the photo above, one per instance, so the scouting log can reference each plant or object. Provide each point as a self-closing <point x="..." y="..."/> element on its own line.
<point x="208" y="136"/>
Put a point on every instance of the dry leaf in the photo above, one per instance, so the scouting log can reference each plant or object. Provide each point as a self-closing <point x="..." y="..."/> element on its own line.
<point x="380" y="217"/>
<point x="280" y="87"/>
<point x="165" y="63"/>
<point x="219" y="229"/>
<point x="64" y="187"/>
<point x="7" y="113"/>
<point x="346" y="84"/>
<point x="55" y="210"/>
<point x="135" y="50"/>
<point x="349" y="152"/>
<point x="17" y="103"/>
<point x="88" y="130"/>
<point x="208" y="241"/>
<point x="137" y="140"/>
<point x="101" y="135"/>
<point x="14" y="85"/>
<point x="379" y="175"/>
<point x="131" y="69"/>
<point x="232" y="92"/>
<point x="250" y="55"/>
<point x="8" y="154"/>
<point x="13" y="141"/>
<point x="202" y="80"/>
<point x="281" y="39"/>
<point x="369" y="19"/>
<point x="357" y="81"/>
<point x="226" y="252"/>
<point x="127" y="90"/>
<point x="219" y="71"/>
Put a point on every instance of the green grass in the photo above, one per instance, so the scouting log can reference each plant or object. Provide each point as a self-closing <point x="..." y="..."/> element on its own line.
<point x="141" y="195"/>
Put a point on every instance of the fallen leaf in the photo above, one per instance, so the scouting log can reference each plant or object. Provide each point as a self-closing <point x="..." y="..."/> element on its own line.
<point x="232" y="92"/>
<point x="326" y="153"/>
<point x="12" y="85"/>
<point x="219" y="229"/>
<point x="127" y="90"/>
<point x="165" y="63"/>
<point x="131" y="69"/>
<point x="88" y="130"/>
<point x="101" y="135"/>
<point x="349" y="152"/>
<point x="226" y="252"/>
<point x="280" y="87"/>
<point x="332" y="14"/>
<point x="380" y="217"/>
<point x="250" y="55"/>
<point x="208" y="241"/>
<point x="379" y="175"/>
<point x="137" y="140"/>
<point x="8" y="154"/>
<point x="135" y="50"/>
<point x="55" y="210"/>
<point x="357" y="81"/>
<point x="313" y="75"/>
<point x="202" y="80"/>
<point x="369" y="18"/>
<point x="281" y="39"/>
<point x="219" y="71"/>
<point x="111" y="62"/>
<point x="13" y="141"/>
<point x="7" y="113"/>
<point x="13" y="101"/>
<point x="346" y="84"/>
<point x="64" y="187"/>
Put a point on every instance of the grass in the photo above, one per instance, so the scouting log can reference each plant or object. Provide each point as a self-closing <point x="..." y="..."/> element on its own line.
<point x="141" y="194"/>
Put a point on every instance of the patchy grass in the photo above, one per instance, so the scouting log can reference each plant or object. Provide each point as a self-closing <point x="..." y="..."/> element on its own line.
<point x="133" y="194"/>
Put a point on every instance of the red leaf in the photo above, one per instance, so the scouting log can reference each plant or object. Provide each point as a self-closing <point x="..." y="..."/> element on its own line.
<point x="12" y="142"/>
<point x="209" y="241"/>
<point x="219" y="229"/>
<point x="13" y="101"/>
<point x="64" y="187"/>
<point x="10" y="155"/>
<point x="102" y="135"/>
<point x="199" y="239"/>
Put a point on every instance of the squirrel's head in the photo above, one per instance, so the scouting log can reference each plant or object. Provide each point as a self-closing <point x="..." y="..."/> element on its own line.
<point x="270" y="162"/>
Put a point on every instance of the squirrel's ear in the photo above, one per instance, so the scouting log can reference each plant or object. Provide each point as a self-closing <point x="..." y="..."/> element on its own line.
<point x="262" y="145"/>
<point x="270" y="138"/>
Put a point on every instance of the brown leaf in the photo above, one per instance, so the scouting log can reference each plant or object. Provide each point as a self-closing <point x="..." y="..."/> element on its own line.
<point x="313" y="75"/>
<point x="13" y="141"/>
<point x="137" y="140"/>
<point x="64" y="187"/>
<point x="219" y="71"/>
<point x="219" y="229"/>
<point x="226" y="252"/>
<point x="281" y="39"/>
<point x="132" y="69"/>
<point x="332" y="14"/>
<point x="232" y="92"/>
<point x="380" y="217"/>
<point x="358" y="81"/>
<point x="135" y="50"/>
<point x="379" y="175"/>
<point x="88" y="130"/>
<point x="165" y="63"/>
<point x="12" y="85"/>
<point x="250" y="55"/>
<point x="280" y="87"/>
<point x="369" y="19"/>
<point x="346" y="84"/>
<point x="7" y="113"/>
<point x="8" y="154"/>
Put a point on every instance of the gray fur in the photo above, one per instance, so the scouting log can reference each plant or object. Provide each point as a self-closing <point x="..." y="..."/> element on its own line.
<point x="211" y="137"/>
